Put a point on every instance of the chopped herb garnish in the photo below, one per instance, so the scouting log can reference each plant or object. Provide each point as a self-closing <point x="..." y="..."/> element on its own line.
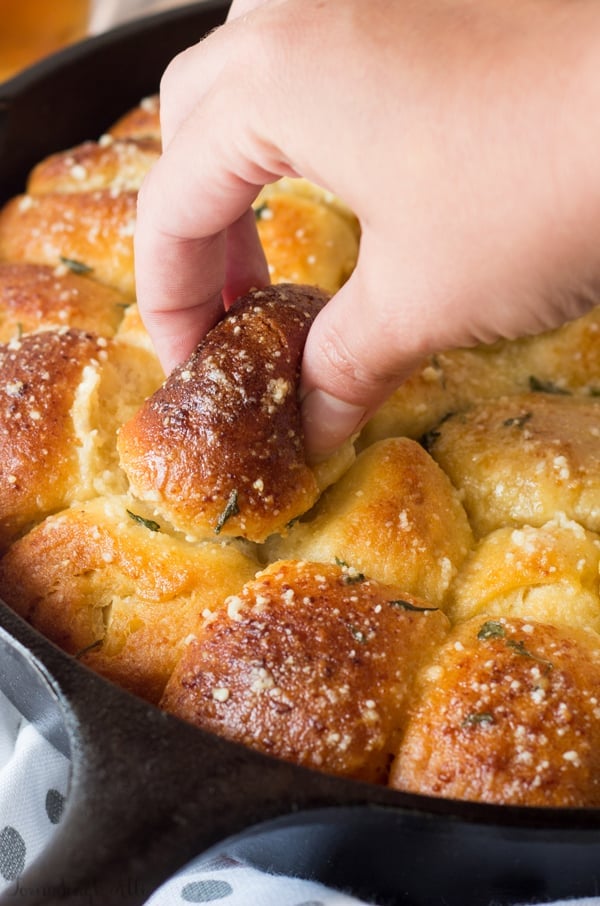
<point x="78" y="267"/>
<point x="19" y="330"/>
<point x="94" y="645"/>
<point x="231" y="509"/>
<point x="260" y="210"/>
<point x="491" y="630"/>
<point x="351" y="574"/>
<point x="494" y="630"/>
<point x="147" y="523"/>
<point x="519" y="648"/>
<point x="539" y="386"/>
<point x="479" y="717"/>
<point x="594" y="391"/>
<point x="406" y="605"/>
<point x="428" y="439"/>
<point x="358" y="634"/>
<point x="518" y="420"/>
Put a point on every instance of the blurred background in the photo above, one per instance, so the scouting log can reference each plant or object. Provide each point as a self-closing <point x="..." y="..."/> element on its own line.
<point x="32" y="29"/>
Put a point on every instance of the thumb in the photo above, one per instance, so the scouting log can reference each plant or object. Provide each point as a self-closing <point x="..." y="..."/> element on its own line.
<point x="362" y="345"/>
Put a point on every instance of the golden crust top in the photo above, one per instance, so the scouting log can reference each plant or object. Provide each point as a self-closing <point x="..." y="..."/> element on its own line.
<point x="219" y="448"/>
<point x="93" y="229"/>
<point x="37" y="297"/>
<point x="508" y="713"/>
<point x="310" y="664"/>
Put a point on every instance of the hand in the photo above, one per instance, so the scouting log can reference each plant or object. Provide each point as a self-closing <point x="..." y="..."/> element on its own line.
<point x="461" y="133"/>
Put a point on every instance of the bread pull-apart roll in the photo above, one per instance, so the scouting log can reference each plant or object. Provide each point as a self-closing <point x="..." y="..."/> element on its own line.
<point x="36" y="297"/>
<point x="309" y="663"/>
<point x="305" y="238"/>
<point x="141" y="122"/>
<point x="394" y="516"/>
<point x="549" y="574"/>
<point x="93" y="231"/>
<point x="63" y="395"/>
<point x="219" y="448"/>
<point x="109" y="164"/>
<point x="107" y="583"/>
<point x="508" y="712"/>
<point x="520" y="460"/>
<point x="563" y="360"/>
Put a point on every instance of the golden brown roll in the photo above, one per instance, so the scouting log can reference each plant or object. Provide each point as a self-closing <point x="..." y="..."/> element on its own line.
<point x="548" y="574"/>
<point x="63" y="394"/>
<point x="219" y="448"/>
<point x="310" y="664"/>
<point x="563" y="360"/>
<point x="37" y="297"/>
<point x="111" y="585"/>
<point x="305" y="240"/>
<point x="92" y="231"/>
<point x="141" y="122"/>
<point x="508" y="712"/>
<point x="113" y="164"/>
<point x="520" y="460"/>
<point x="393" y="516"/>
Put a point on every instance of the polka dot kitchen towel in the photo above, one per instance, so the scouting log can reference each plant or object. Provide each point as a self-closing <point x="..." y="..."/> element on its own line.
<point x="34" y="780"/>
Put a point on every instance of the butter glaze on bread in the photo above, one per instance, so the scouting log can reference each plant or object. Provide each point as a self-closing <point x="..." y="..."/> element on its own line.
<point x="105" y="582"/>
<point x="36" y="297"/>
<point x="388" y="517"/>
<point x="94" y="229"/>
<point x="63" y="394"/>
<point x="509" y="712"/>
<point x="219" y="448"/>
<point x="309" y="664"/>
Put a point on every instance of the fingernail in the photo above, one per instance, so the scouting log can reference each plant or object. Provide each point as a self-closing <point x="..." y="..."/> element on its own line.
<point x="328" y="422"/>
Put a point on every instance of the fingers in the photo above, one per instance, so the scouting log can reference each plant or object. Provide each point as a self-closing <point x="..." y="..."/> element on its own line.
<point x="361" y="347"/>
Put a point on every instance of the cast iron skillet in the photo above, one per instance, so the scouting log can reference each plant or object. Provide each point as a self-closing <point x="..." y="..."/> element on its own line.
<point x="149" y="792"/>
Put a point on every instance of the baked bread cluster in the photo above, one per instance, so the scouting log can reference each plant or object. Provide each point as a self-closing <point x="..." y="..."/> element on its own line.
<point x="420" y="610"/>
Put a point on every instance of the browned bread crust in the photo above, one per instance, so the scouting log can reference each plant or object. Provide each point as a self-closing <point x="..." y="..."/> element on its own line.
<point x="37" y="297"/>
<point x="93" y="229"/>
<point x="509" y="712"/>
<point x="219" y="448"/>
<point x="310" y="663"/>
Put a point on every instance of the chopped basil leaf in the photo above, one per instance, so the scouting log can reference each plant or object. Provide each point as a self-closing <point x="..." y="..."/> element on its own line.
<point x="147" y="523"/>
<point x="406" y="605"/>
<point x="231" y="509"/>
<point x="78" y="267"/>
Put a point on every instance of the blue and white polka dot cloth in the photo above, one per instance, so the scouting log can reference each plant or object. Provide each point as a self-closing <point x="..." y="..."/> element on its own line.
<point x="34" y="780"/>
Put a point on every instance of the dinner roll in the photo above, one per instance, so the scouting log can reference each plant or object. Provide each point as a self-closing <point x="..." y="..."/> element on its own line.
<point x="36" y="297"/>
<point x="110" y="164"/>
<point x="561" y="360"/>
<point x="112" y="586"/>
<point x="522" y="459"/>
<point x="311" y="664"/>
<point x="63" y="395"/>
<point x="306" y="240"/>
<point x="219" y="448"/>
<point x="93" y="231"/>
<point x="508" y="712"/>
<point x="548" y="574"/>
<point x="394" y="517"/>
<point x="141" y="122"/>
